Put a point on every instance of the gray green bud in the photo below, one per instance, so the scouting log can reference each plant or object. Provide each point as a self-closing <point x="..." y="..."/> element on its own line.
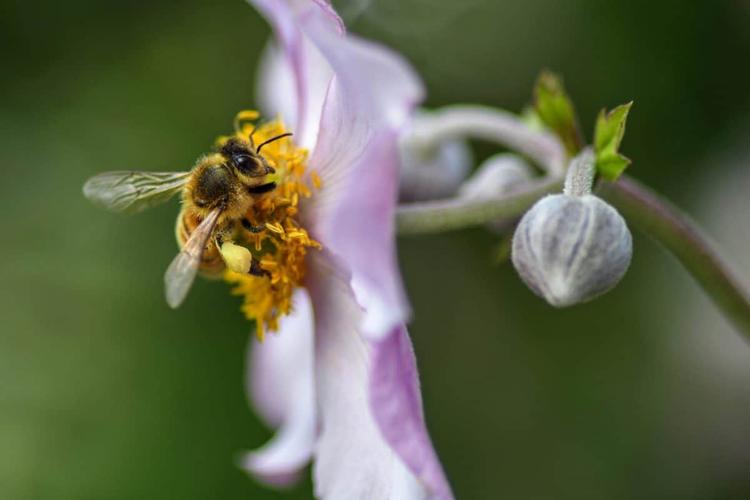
<point x="496" y="176"/>
<point x="571" y="247"/>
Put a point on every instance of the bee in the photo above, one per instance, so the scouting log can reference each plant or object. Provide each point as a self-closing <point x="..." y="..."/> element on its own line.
<point x="217" y="194"/>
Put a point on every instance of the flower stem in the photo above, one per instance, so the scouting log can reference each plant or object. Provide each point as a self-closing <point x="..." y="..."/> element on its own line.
<point x="445" y="215"/>
<point x="667" y="224"/>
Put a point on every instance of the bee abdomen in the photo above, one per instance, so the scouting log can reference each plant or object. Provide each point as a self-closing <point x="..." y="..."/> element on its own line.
<point x="212" y="265"/>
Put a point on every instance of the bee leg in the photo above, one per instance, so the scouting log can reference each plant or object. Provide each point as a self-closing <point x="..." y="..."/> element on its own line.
<point x="262" y="188"/>
<point x="256" y="270"/>
<point x="253" y="229"/>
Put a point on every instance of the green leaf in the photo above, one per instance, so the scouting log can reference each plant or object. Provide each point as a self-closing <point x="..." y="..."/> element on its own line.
<point x="555" y="109"/>
<point x="610" y="128"/>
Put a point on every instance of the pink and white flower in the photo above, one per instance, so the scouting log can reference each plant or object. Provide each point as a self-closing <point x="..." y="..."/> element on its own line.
<point x="339" y="381"/>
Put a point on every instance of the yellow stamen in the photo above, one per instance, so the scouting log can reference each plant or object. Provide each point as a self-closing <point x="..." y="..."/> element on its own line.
<point x="247" y="115"/>
<point x="275" y="227"/>
<point x="282" y="247"/>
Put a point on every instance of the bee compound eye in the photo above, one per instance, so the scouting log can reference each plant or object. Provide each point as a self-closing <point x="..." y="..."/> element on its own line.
<point x="244" y="163"/>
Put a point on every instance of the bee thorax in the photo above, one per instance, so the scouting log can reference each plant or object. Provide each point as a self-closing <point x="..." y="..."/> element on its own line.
<point x="212" y="186"/>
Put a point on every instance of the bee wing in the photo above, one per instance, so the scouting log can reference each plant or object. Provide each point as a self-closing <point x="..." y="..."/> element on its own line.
<point x="181" y="272"/>
<point x="133" y="191"/>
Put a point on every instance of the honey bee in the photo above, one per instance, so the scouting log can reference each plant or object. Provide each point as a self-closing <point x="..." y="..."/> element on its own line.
<point x="217" y="193"/>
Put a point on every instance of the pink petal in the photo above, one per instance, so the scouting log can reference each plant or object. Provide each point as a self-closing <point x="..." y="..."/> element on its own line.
<point x="280" y="382"/>
<point x="371" y="94"/>
<point x="397" y="406"/>
<point x="361" y="389"/>
<point x="303" y="75"/>
<point x="369" y="101"/>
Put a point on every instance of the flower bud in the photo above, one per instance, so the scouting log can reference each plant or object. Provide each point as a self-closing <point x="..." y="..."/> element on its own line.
<point x="431" y="170"/>
<point x="570" y="248"/>
<point x="498" y="175"/>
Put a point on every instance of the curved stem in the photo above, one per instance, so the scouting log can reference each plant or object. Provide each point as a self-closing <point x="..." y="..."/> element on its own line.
<point x="644" y="208"/>
<point x="679" y="234"/>
<point x="445" y="215"/>
<point x="495" y="125"/>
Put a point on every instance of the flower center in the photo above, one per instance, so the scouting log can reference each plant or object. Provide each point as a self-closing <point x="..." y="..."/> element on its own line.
<point x="277" y="239"/>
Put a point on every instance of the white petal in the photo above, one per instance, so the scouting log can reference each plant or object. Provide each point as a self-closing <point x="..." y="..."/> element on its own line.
<point x="353" y="459"/>
<point x="280" y="382"/>
<point x="276" y="86"/>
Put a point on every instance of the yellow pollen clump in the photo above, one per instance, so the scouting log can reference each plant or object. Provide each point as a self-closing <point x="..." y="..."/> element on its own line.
<point x="282" y="245"/>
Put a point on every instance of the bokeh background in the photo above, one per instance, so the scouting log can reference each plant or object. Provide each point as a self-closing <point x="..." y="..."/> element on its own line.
<point x="107" y="394"/>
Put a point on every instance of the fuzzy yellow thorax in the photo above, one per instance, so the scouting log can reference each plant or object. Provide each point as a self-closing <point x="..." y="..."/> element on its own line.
<point x="282" y="245"/>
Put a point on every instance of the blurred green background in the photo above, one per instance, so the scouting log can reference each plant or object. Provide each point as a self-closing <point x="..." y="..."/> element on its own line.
<point x="107" y="394"/>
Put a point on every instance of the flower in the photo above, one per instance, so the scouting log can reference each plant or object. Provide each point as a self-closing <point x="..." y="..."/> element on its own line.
<point x="339" y="379"/>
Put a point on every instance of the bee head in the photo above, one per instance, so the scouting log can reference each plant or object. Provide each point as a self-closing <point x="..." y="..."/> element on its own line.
<point x="247" y="162"/>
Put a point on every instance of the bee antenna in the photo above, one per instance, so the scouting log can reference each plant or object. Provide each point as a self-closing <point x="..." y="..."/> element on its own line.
<point x="286" y="134"/>
<point x="250" y="137"/>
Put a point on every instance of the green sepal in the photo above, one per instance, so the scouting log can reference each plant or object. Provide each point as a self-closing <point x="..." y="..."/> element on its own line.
<point x="610" y="128"/>
<point x="555" y="109"/>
